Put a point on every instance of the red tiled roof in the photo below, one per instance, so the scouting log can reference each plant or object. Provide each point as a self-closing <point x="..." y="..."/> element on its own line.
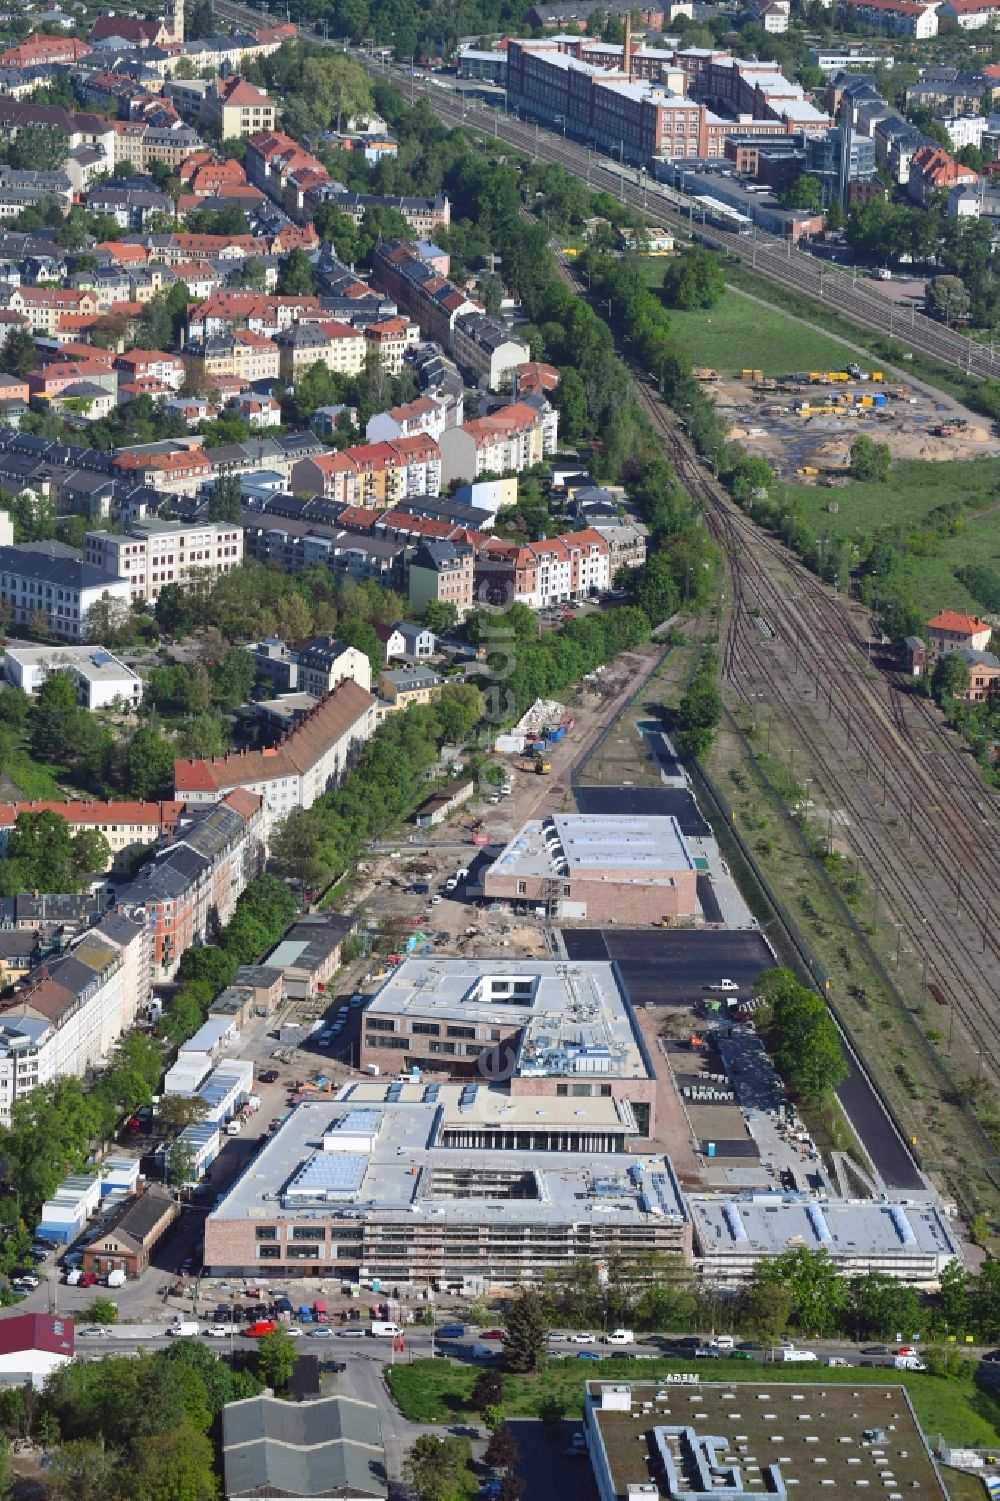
<point x="164" y="814"/>
<point x="962" y="625"/>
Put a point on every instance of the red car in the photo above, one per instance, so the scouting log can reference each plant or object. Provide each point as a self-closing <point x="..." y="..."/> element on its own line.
<point x="493" y="1334"/>
<point x="262" y="1326"/>
<point x="88" y="1279"/>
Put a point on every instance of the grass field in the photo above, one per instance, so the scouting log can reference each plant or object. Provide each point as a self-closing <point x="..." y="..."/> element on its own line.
<point x="31" y="779"/>
<point x="914" y="489"/>
<point x="436" y="1391"/>
<point x="738" y="333"/>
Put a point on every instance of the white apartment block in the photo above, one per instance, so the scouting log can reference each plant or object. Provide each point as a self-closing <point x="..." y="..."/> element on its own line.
<point x="71" y="1012"/>
<point x="47" y="579"/>
<point x="155" y="553"/>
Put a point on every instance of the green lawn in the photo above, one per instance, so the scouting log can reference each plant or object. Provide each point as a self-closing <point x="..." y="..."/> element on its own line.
<point x="32" y="778"/>
<point x="914" y="489"/>
<point x="738" y="334"/>
<point x="436" y="1391"/>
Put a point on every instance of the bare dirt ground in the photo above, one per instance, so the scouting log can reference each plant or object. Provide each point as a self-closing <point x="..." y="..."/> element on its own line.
<point x="766" y="422"/>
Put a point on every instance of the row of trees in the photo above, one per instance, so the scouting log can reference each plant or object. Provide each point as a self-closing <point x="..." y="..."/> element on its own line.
<point x="137" y="1428"/>
<point x="262" y="914"/>
<point x="801" y="1035"/>
<point x="315" y="845"/>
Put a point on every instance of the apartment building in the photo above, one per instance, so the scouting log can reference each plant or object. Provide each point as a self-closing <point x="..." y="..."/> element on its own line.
<point x="373" y="474"/>
<point x="189" y="890"/>
<point x="229" y="309"/>
<point x="143" y="144"/>
<point x="557" y="570"/>
<point x="43" y="307"/>
<point x="166" y="469"/>
<point x="406" y="271"/>
<point x="950" y="631"/>
<point x="152" y="365"/>
<point x="424" y="216"/>
<point x="312" y="757"/>
<point x="510" y="439"/>
<point x="70" y="1012"/>
<point x="237" y="109"/>
<point x="323" y="663"/>
<point x="154" y="553"/>
<point x="445" y="571"/>
<point x="933" y="170"/>
<point x="971" y="15"/>
<point x="243" y="354"/>
<point x="46" y="579"/>
<point x="41" y="51"/>
<point x="391" y="339"/>
<point x="487" y="349"/>
<point x="127" y="826"/>
<point x="339" y="347"/>
<point x="425" y="414"/>
<point x="896" y="17"/>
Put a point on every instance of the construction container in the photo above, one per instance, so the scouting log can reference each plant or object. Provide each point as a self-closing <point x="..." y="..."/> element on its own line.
<point x="877" y="374"/>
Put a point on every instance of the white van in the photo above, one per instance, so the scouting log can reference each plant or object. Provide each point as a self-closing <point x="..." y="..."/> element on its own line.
<point x="233" y="1127"/>
<point x="116" y="1278"/>
<point x="799" y="1355"/>
<point x="621" y="1337"/>
<point x="385" y="1331"/>
<point x="184" y="1328"/>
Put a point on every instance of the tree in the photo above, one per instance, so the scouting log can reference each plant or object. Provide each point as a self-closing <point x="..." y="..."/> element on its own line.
<point x="870" y="461"/>
<point x="501" y="1451"/>
<point x="176" y="1111"/>
<point x="100" y="1310"/>
<point x="84" y="1470"/>
<point x="19" y="353"/>
<point x="696" y="280"/>
<point x="835" y="215"/>
<point x="804" y="193"/>
<point x="805" y="1042"/>
<point x="336" y="87"/>
<point x="181" y="1165"/>
<point x="527" y="1327"/>
<point x="109" y="622"/>
<point x="147" y="765"/>
<point x="296" y="278"/>
<point x="699" y="713"/>
<point x="233" y="679"/>
<point x="226" y="501"/>
<point x="174" y="1466"/>
<point x="655" y="591"/>
<point x="441" y="616"/>
<point x="488" y="1390"/>
<point x="39" y="148"/>
<point x="54" y="717"/>
<point x="571" y="402"/>
<point x="950" y="678"/>
<point x="436" y="1468"/>
<point x="276" y="1358"/>
<point x="946" y="298"/>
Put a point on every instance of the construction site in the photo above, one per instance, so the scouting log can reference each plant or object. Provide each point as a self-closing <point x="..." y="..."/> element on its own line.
<point x="804" y="423"/>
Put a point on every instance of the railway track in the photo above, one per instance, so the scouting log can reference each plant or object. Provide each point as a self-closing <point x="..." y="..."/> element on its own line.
<point x="786" y="628"/>
<point x="776" y="260"/>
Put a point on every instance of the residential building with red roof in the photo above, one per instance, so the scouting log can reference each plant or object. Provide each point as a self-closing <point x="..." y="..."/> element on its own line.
<point x="971" y="15"/>
<point x="237" y="109"/>
<point x="39" y="51"/>
<point x="425" y="414"/>
<point x="933" y="170"/>
<point x="510" y="439"/>
<point x="898" y="17"/>
<point x="334" y="475"/>
<point x="574" y="565"/>
<point x="127" y="826"/>
<point x="391" y="339"/>
<point x="42" y="306"/>
<point x="950" y="630"/>
<point x="228" y="309"/>
<point x="308" y="760"/>
<point x="165" y="369"/>
<point x="175" y="473"/>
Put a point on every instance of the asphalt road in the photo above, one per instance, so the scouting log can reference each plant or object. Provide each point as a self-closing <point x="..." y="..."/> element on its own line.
<point x="650" y="802"/>
<point x="665" y="967"/>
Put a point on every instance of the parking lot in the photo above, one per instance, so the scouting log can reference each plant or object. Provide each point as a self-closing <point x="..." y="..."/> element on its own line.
<point x="674" y="967"/>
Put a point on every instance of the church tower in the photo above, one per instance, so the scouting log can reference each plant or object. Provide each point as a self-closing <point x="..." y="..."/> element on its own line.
<point x="177" y="23"/>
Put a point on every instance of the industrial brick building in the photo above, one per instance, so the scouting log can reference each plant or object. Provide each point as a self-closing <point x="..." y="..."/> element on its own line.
<point x="604" y="869"/>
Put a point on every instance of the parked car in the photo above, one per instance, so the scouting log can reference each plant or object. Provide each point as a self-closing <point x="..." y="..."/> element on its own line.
<point x="582" y="1337"/>
<point x="587" y="1355"/>
<point x="356" y="1332"/>
<point x="218" y="1331"/>
<point x="451" y="1331"/>
<point x="269" y="1076"/>
<point x="96" y="1331"/>
<point x="262" y="1326"/>
<point x="26" y="1280"/>
<point x="723" y="1342"/>
<point x="321" y="1331"/>
<point x="493" y="1334"/>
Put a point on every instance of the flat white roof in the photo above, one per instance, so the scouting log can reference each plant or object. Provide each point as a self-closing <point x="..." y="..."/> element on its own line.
<point x="768" y="1224"/>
